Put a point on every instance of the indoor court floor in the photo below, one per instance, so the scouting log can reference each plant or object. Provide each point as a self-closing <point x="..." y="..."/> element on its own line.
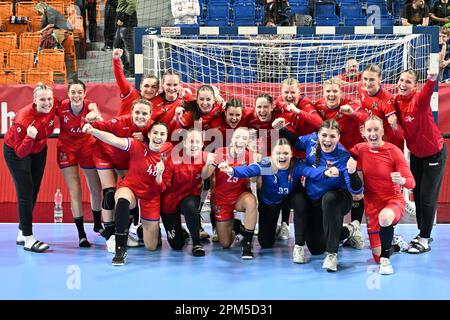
<point x="70" y="272"/>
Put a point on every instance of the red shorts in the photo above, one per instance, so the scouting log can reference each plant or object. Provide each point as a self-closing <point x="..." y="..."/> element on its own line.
<point x="102" y="160"/>
<point x="224" y="212"/>
<point x="82" y="157"/>
<point x="149" y="209"/>
<point x="372" y="211"/>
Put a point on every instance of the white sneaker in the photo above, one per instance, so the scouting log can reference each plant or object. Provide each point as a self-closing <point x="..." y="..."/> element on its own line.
<point x="356" y="238"/>
<point x="215" y="237"/>
<point x="298" y="254"/>
<point x="111" y="244"/>
<point x="385" y="266"/>
<point x="20" y="239"/>
<point x="330" y="263"/>
<point x="132" y="243"/>
<point x="283" y="233"/>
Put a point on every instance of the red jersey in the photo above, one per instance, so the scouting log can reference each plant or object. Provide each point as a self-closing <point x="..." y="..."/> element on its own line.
<point x="344" y="77"/>
<point x="164" y="111"/>
<point x="377" y="164"/>
<point x="307" y="121"/>
<point x="71" y="137"/>
<point x="16" y="137"/>
<point x="187" y="120"/>
<point x="141" y="176"/>
<point x="348" y="124"/>
<point x="223" y="130"/>
<point x="381" y="105"/>
<point x="422" y="135"/>
<point x="227" y="189"/>
<point x="122" y="127"/>
<point x="186" y="180"/>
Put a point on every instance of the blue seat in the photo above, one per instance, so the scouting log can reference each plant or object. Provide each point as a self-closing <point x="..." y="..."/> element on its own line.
<point x="244" y="11"/>
<point x="216" y="22"/>
<point x="327" y="21"/>
<point x="324" y="9"/>
<point x="217" y="10"/>
<point x="355" y="21"/>
<point x="300" y="9"/>
<point x="244" y="22"/>
<point x="350" y="10"/>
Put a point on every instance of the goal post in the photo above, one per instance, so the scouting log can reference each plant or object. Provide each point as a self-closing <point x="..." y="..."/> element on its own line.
<point x="245" y="61"/>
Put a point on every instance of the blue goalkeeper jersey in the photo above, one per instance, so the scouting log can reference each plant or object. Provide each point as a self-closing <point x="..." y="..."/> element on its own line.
<point x="276" y="187"/>
<point x="316" y="188"/>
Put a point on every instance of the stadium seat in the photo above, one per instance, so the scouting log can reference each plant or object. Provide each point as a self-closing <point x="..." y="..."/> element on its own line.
<point x="5" y="10"/>
<point x="10" y="76"/>
<point x="355" y="21"/>
<point x="53" y="59"/>
<point x="8" y="41"/>
<point x="20" y="59"/>
<point x="30" y="40"/>
<point x="348" y="10"/>
<point x="39" y="75"/>
<point x="327" y="21"/>
<point x="26" y="9"/>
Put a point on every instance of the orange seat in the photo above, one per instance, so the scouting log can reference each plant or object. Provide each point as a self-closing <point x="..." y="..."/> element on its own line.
<point x="10" y="76"/>
<point x="2" y="59"/>
<point x="18" y="28"/>
<point x="53" y="59"/>
<point x="5" y="10"/>
<point x="36" y="23"/>
<point x="20" y="59"/>
<point x="58" y="6"/>
<point x="26" y="9"/>
<point x="8" y="41"/>
<point x="39" y="75"/>
<point x="30" y="40"/>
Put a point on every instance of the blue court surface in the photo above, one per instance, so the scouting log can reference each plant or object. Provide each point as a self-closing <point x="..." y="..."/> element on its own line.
<point x="70" y="272"/>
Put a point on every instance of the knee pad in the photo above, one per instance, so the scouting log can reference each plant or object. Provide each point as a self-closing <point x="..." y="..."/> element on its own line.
<point x="108" y="198"/>
<point x="207" y="184"/>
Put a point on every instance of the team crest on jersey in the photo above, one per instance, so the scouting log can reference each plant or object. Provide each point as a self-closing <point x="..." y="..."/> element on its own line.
<point x="50" y="124"/>
<point x="409" y="119"/>
<point x="66" y="119"/>
<point x="114" y="120"/>
<point x="374" y="106"/>
<point x="329" y="163"/>
<point x="19" y="130"/>
<point x="339" y="115"/>
<point x="62" y="156"/>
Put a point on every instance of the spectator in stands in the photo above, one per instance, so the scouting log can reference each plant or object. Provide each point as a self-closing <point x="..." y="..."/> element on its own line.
<point x="352" y="73"/>
<point x="124" y="37"/>
<point x="416" y="14"/>
<point x="279" y="11"/>
<point x="50" y="16"/>
<point x="110" y="24"/>
<point x="444" y="59"/>
<point x="440" y="13"/>
<point x="185" y="12"/>
<point x="89" y="7"/>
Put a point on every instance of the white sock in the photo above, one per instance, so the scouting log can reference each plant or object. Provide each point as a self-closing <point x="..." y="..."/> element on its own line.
<point x="20" y="235"/>
<point x="29" y="241"/>
<point x="424" y="242"/>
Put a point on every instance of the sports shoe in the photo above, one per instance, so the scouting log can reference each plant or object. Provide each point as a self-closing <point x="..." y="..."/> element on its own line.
<point x="284" y="231"/>
<point x="120" y="257"/>
<point x="198" y="251"/>
<point x="203" y="234"/>
<point x="111" y="244"/>
<point x="398" y="244"/>
<point x="247" y="251"/>
<point x="132" y="243"/>
<point x="215" y="237"/>
<point x="298" y="255"/>
<point x="356" y="238"/>
<point x="385" y="266"/>
<point x="330" y="263"/>
<point x="20" y="239"/>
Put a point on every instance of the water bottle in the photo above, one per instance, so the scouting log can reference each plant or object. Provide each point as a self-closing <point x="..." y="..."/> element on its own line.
<point x="58" y="212"/>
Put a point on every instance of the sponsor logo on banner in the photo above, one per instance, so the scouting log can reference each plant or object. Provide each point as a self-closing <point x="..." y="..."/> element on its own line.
<point x="170" y="31"/>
